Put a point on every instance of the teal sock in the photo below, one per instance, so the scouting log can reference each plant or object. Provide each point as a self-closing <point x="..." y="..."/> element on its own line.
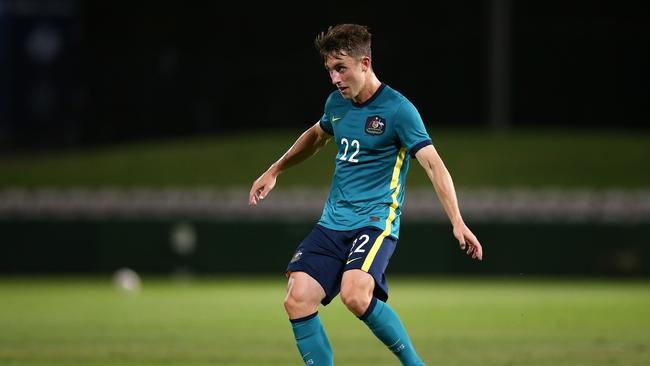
<point x="312" y="341"/>
<point x="387" y="326"/>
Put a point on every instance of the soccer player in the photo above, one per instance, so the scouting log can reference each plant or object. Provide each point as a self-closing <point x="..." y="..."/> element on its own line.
<point x="376" y="130"/>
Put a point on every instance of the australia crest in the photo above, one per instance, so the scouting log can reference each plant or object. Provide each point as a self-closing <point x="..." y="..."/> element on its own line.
<point x="296" y="256"/>
<point x="375" y="125"/>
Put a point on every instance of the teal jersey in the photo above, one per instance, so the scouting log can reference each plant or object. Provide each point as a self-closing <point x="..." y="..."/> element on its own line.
<point x="375" y="140"/>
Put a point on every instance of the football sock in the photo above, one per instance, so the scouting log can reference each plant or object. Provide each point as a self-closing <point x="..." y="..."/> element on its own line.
<point x="387" y="326"/>
<point x="312" y="341"/>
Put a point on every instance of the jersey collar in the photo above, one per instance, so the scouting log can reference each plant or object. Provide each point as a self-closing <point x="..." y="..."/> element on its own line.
<point x="373" y="97"/>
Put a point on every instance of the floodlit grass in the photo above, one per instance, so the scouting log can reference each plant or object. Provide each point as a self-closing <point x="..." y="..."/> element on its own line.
<point x="528" y="158"/>
<point x="240" y="321"/>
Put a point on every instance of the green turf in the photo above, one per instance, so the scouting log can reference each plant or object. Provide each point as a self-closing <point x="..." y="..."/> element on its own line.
<point x="240" y="321"/>
<point x="528" y="158"/>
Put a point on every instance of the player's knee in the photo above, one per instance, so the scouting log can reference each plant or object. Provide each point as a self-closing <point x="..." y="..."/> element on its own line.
<point x="297" y="303"/>
<point x="356" y="301"/>
<point x="291" y="304"/>
<point x="356" y="291"/>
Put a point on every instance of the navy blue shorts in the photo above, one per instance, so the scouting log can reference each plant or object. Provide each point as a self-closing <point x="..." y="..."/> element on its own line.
<point x="325" y="254"/>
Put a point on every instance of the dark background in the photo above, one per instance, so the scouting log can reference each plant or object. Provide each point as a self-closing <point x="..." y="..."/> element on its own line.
<point x="82" y="73"/>
<point x="87" y="73"/>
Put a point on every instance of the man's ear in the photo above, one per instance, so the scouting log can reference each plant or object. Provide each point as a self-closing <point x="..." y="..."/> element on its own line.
<point x="365" y="63"/>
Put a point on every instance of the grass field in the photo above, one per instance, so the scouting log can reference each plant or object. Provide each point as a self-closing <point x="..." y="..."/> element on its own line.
<point x="240" y="321"/>
<point x="476" y="158"/>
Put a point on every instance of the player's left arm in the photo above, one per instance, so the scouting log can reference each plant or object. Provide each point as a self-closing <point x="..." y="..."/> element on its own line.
<point x="435" y="168"/>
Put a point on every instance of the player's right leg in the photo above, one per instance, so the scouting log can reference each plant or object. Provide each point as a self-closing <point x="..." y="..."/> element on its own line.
<point x="314" y="274"/>
<point x="304" y="294"/>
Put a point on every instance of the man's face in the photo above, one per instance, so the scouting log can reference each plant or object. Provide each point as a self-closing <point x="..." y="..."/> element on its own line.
<point x="347" y="73"/>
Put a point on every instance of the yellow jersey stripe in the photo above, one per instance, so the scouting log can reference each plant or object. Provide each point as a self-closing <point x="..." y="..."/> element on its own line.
<point x="394" y="184"/>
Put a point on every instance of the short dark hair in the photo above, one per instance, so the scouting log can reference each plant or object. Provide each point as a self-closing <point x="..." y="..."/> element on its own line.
<point x="351" y="39"/>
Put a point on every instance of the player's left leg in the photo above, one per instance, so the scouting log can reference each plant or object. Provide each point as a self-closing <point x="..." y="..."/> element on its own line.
<point x="357" y="295"/>
<point x="364" y="291"/>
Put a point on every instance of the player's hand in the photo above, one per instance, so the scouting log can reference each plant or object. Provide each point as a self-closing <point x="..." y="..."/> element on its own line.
<point x="468" y="241"/>
<point x="261" y="187"/>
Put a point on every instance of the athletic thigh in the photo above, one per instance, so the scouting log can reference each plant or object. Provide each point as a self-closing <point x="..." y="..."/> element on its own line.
<point x="304" y="294"/>
<point x="321" y="255"/>
<point x="370" y="252"/>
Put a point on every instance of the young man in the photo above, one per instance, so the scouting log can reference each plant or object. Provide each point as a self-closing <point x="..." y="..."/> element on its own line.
<point x="375" y="129"/>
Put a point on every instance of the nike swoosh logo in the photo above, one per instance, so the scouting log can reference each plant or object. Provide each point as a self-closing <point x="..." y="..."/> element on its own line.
<point x="335" y="119"/>
<point x="352" y="260"/>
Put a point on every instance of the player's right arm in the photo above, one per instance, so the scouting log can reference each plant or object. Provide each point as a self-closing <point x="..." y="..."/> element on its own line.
<point x="305" y="146"/>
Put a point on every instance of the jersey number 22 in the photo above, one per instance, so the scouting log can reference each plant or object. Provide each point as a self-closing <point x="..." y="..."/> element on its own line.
<point x="354" y="144"/>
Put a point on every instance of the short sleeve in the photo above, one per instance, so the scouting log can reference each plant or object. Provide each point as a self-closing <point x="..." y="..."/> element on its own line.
<point x="325" y="122"/>
<point x="410" y="128"/>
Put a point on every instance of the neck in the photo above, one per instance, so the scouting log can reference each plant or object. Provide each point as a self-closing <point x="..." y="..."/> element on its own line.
<point x="372" y="84"/>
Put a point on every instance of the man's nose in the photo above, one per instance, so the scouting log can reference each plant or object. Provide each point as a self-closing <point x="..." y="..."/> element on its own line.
<point x="336" y="77"/>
